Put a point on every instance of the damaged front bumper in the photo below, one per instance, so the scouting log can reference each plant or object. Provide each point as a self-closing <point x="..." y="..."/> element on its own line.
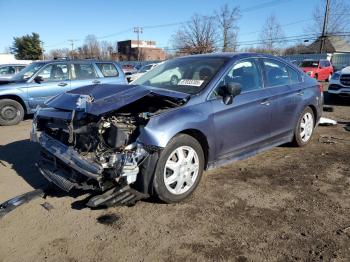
<point x="67" y="169"/>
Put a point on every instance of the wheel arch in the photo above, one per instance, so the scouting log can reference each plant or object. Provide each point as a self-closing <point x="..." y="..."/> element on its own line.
<point x="314" y="111"/>
<point x="202" y="139"/>
<point x="17" y="99"/>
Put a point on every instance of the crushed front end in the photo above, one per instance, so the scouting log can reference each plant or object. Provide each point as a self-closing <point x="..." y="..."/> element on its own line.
<point x="98" y="152"/>
<point x="88" y="153"/>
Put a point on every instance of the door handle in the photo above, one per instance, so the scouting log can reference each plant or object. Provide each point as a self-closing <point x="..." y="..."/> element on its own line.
<point x="96" y="82"/>
<point x="265" y="103"/>
<point x="300" y="93"/>
<point x="62" y="84"/>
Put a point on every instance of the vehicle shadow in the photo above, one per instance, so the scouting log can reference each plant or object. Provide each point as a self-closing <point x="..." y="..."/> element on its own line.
<point x="335" y="100"/>
<point x="22" y="156"/>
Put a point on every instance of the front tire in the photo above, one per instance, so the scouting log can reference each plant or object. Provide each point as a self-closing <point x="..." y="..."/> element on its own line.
<point x="11" y="112"/>
<point x="179" y="169"/>
<point x="304" y="128"/>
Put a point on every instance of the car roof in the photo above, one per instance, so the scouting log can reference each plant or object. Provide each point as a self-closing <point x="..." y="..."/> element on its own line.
<point x="13" y="65"/>
<point x="234" y="55"/>
<point x="74" y="61"/>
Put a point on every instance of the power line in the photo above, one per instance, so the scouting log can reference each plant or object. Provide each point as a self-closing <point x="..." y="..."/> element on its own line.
<point x="248" y="9"/>
<point x="264" y="5"/>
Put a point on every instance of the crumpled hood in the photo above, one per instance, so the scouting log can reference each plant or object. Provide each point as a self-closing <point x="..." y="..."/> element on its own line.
<point x="103" y="98"/>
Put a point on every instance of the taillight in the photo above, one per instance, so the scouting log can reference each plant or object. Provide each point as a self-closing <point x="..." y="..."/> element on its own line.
<point x="320" y="87"/>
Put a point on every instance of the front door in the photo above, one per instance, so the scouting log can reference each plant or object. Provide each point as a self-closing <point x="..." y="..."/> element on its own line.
<point x="242" y="126"/>
<point x="55" y="81"/>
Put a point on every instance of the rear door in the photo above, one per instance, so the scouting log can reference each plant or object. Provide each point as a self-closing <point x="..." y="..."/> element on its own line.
<point x="55" y="81"/>
<point x="242" y="126"/>
<point x="110" y="73"/>
<point x="83" y="74"/>
<point x="286" y="90"/>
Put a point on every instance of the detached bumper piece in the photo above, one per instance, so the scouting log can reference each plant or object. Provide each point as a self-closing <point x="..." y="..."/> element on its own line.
<point x="116" y="196"/>
<point x="12" y="203"/>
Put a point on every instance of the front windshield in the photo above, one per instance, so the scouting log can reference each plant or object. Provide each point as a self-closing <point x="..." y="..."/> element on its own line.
<point x="309" y="64"/>
<point x="188" y="75"/>
<point x="27" y="72"/>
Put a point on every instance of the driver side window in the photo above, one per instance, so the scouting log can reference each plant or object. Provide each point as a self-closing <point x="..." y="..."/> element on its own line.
<point x="54" y="72"/>
<point x="246" y="73"/>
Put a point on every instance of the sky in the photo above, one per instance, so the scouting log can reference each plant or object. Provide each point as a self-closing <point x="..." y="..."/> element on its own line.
<point x="57" y="21"/>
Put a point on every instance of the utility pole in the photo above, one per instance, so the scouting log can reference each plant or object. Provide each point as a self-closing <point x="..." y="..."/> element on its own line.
<point x="324" y="28"/>
<point x="42" y="50"/>
<point x="138" y="31"/>
<point x="72" y="45"/>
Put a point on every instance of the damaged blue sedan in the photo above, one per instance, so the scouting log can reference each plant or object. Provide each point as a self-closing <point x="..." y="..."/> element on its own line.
<point x="187" y="115"/>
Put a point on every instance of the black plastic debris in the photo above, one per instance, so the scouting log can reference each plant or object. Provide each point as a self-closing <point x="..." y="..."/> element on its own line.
<point x="12" y="203"/>
<point x="116" y="196"/>
<point x="47" y="206"/>
<point x="328" y="109"/>
<point x="108" y="219"/>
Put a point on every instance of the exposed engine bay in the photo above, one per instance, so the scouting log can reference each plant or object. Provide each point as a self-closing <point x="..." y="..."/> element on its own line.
<point x="86" y="151"/>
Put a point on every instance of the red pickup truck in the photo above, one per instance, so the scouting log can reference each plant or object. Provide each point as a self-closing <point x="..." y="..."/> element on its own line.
<point x="319" y="69"/>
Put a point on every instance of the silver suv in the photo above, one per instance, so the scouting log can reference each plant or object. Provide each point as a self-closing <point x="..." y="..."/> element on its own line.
<point x="340" y="83"/>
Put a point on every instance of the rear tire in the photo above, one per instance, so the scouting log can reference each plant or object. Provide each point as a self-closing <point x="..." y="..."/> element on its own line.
<point x="11" y="112"/>
<point x="179" y="169"/>
<point x="304" y="128"/>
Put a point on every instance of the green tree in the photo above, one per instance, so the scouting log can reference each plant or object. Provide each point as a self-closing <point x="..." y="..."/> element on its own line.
<point x="27" y="47"/>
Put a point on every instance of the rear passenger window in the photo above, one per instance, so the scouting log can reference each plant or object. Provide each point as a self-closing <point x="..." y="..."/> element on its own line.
<point x="81" y="71"/>
<point x="294" y="76"/>
<point x="276" y="73"/>
<point x="108" y="69"/>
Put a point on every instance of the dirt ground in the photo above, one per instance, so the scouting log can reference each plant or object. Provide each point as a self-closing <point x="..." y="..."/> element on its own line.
<point x="287" y="204"/>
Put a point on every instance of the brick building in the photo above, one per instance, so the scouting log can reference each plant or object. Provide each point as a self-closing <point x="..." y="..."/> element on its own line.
<point x="128" y="50"/>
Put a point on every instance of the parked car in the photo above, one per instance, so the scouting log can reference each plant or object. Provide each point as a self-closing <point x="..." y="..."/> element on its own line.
<point x="340" y="83"/>
<point x="143" y="70"/>
<point x="8" y="70"/>
<point x="319" y="69"/>
<point x="129" y="69"/>
<point x="39" y="81"/>
<point x="127" y="142"/>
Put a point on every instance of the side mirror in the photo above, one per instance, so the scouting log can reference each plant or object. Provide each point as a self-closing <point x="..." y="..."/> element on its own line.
<point x="229" y="91"/>
<point x="38" y="79"/>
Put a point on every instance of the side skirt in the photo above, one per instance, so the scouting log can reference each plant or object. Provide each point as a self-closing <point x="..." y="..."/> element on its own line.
<point x="250" y="151"/>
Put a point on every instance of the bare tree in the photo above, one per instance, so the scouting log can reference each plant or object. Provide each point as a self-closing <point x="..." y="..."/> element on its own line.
<point x="227" y="20"/>
<point x="106" y="50"/>
<point x="197" y="36"/>
<point x="92" y="46"/>
<point x="295" y="49"/>
<point x="271" y="35"/>
<point x="338" y="18"/>
<point x="58" y="53"/>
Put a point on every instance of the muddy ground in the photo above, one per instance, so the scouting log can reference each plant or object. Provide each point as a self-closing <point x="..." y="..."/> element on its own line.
<point x="287" y="204"/>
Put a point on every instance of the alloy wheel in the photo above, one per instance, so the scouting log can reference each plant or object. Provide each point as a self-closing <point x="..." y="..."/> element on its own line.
<point x="181" y="170"/>
<point x="306" y="127"/>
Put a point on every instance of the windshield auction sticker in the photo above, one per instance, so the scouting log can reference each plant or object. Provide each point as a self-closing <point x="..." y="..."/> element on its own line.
<point x="190" y="82"/>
